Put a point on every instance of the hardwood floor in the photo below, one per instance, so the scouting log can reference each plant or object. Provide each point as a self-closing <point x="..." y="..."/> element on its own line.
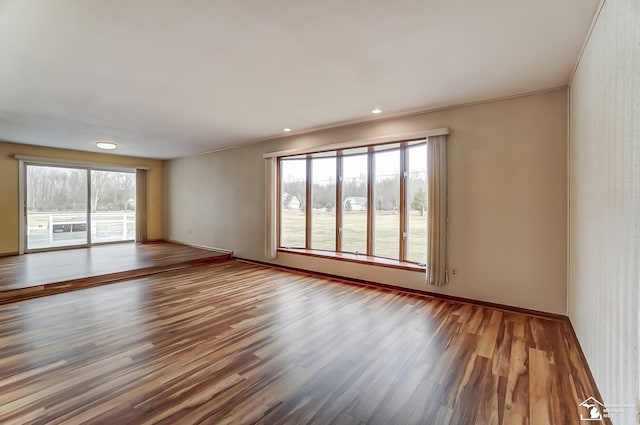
<point x="46" y="273"/>
<point x="236" y="343"/>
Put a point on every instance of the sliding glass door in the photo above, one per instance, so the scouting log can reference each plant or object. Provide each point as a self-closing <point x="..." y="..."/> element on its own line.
<point x="72" y="207"/>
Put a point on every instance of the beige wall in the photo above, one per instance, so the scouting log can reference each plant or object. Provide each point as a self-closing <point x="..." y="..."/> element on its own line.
<point x="9" y="206"/>
<point x="604" y="194"/>
<point x="507" y="197"/>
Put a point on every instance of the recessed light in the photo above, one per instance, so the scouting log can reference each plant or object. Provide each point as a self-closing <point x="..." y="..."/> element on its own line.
<point x="106" y="145"/>
<point x="376" y="111"/>
<point x="286" y="130"/>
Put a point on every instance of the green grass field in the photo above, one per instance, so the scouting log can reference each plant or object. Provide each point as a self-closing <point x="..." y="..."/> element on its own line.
<point x="354" y="237"/>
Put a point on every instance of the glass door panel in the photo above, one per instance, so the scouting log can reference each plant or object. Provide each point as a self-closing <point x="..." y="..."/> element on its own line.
<point x="113" y="206"/>
<point x="56" y="213"/>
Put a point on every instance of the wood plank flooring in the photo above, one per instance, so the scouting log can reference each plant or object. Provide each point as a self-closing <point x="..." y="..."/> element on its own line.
<point x="46" y="273"/>
<point x="236" y="343"/>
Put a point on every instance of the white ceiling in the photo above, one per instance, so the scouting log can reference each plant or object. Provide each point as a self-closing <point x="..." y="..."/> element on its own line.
<point x="178" y="77"/>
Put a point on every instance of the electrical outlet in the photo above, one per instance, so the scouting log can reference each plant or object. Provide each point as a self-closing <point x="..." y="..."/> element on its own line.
<point x="454" y="272"/>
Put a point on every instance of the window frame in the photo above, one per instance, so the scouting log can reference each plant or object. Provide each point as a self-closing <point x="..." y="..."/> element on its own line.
<point x="371" y="148"/>
<point x="272" y="191"/>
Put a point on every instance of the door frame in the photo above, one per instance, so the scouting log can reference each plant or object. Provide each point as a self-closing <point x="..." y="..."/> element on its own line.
<point x="24" y="162"/>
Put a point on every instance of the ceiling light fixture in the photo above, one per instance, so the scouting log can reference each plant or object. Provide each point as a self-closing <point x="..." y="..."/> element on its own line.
<point x="286" y="130"/>
<point x="376" y="111"/>
<point x="106" y="145"/>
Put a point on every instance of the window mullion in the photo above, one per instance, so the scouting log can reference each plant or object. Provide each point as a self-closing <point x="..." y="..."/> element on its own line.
<point x="370" y="202"/>
<point x="339" y="174"/>
<point x="89" y="206"/>
<point x="279" y="201"/>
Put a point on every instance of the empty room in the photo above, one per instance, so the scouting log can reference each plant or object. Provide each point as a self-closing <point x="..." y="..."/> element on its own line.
<point x="410" y="212"/>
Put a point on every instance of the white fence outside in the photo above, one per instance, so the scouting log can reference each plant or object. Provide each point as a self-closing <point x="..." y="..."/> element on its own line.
<point x="62" y="229"/>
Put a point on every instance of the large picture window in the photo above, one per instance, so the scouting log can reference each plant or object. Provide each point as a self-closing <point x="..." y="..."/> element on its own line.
<point x="366" y="201"/>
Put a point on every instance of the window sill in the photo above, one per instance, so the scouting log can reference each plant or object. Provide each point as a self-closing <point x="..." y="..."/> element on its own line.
<point x="353" y="258"/>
